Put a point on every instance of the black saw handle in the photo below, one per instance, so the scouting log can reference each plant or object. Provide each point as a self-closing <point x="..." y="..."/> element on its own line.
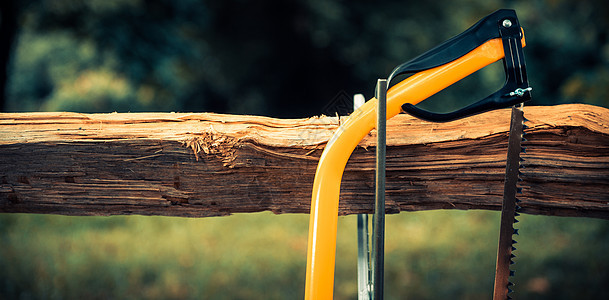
<point x="500" y="24"/>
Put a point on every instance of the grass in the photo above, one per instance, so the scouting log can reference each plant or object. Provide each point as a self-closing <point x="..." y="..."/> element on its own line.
<point x="429" y="255"/>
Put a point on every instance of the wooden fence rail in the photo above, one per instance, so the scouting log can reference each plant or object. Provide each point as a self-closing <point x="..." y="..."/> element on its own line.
<point x="202" y="164"/>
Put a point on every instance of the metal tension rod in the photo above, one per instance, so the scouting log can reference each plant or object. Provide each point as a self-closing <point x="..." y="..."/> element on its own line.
<point x="378" y="228"/>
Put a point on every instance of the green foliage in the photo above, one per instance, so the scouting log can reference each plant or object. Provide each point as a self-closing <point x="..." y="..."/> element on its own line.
<point x="429" y="255"/>
<point x="278" y="58"/>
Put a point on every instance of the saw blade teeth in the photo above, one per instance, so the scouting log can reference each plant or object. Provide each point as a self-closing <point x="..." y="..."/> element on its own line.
<point x="513" y="171"/>
<point x="517" y="206"/>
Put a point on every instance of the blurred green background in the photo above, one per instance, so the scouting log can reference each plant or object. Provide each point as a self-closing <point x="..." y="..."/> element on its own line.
<point x="429" y="255"/>
<point x="281" y="59"/>
<point x="276" y="58"/>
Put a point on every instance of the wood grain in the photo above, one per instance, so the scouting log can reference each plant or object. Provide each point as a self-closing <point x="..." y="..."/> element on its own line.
<point x="203" y="164"/>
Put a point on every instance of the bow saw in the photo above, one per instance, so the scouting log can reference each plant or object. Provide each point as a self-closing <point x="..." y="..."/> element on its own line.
<point x="497" y="36"/>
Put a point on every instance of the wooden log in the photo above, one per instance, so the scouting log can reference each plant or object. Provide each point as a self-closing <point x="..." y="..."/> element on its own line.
<point x="203" y="164"/>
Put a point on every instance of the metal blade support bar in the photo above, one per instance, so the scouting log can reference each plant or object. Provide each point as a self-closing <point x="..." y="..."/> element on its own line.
<point x="363" y="238"/>
<point x="378" y="222"/>
<point x="363" y="262"/>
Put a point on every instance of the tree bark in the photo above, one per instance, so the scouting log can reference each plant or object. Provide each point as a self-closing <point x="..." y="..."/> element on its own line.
<point x="203" y="164"/>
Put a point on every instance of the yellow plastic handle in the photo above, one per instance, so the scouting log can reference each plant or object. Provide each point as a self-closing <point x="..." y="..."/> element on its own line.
<point x="326" y="187"/>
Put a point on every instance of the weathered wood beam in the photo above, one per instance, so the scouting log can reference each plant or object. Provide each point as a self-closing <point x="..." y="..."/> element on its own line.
<point x="202" y="164"/>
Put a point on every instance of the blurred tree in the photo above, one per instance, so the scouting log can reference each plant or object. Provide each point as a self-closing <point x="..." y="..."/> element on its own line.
<point x="277" y="58"/>
<point x="8" y="29"/>
<point x="568" y="50"/>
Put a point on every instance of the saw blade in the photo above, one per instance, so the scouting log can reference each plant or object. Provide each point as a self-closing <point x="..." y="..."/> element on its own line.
<point x="510" y="207"/>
